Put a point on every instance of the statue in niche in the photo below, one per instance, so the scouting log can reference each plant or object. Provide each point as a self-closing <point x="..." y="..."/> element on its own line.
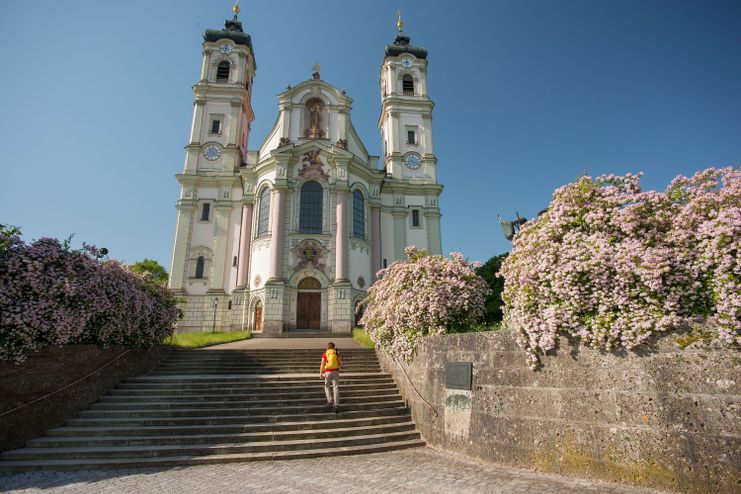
<point x="314" y="110"/>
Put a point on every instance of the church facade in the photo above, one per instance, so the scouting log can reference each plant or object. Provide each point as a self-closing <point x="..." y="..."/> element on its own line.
<point x="291" y="235"/>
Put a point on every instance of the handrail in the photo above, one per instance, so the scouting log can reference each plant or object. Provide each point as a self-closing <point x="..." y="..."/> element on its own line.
<point x="434" y="410"/>
<point x="19" y="407"/>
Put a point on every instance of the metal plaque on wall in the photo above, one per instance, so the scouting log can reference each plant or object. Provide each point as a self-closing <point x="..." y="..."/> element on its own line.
<point x="458" y="375"/>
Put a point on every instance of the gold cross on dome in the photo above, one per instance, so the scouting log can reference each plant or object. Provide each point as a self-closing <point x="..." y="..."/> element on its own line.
<point x="236" y="7"/>
<point x="399" y="22"/>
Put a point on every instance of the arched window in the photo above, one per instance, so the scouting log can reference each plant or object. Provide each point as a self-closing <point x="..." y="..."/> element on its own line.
<point x="407" y="85"/>
<point x="310" y="218"/>
<point x="358" y="214"/>
<point x="200" y="265"/>
<point x="264" y="213"/>
<point x="222" y="71"/>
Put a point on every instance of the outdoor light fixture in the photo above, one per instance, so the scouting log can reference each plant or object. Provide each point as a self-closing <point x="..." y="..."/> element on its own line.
<point x="214" y="304"/>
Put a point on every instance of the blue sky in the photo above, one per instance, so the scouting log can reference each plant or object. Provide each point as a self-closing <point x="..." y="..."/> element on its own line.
<point x="97" y="101"/>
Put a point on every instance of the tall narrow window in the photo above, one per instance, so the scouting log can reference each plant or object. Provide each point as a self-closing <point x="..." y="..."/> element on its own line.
<point x="200" y="265"/>
<point x="216" y="126"/>
<point x="264" y="216"/>
<point x="222" y="71"/>
<point x="407" y="85"/>
<point x="358" y="214"/>
<point x="205" y="211"/>
<point x="415" y="217"/>
<point x="310" y="218"/>
<point x="411" y="137"/>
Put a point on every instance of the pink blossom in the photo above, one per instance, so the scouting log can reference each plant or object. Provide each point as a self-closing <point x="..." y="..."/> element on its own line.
<point x="422" y="296"/>
<point x="613" y="265"/>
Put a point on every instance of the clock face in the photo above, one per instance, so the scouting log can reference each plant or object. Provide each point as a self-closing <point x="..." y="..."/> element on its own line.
<point x="412" y="161"/>
<point x="406" y="63"/>
<point x="211" y="152"/>
<point x="225" y="49"/>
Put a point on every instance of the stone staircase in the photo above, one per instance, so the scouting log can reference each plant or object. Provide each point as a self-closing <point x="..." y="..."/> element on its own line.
<point x="217" y="406"/>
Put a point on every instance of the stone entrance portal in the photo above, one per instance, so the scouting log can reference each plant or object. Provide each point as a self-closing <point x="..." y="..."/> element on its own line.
<point x="309" y="304"/>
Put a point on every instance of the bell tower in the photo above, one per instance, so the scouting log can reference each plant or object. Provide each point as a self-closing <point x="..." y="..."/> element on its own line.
<point x="209" y="185"/>
<point x="406" y="112"/>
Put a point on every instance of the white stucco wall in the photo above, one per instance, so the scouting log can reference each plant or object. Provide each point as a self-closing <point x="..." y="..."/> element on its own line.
<point x="260" y="262"/>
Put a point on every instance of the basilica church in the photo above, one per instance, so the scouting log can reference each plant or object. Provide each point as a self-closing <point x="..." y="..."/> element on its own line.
<point x="290" y="236"/>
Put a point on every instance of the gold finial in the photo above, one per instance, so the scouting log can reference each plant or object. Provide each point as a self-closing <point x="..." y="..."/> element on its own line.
<point x="399" y="22"/>
<point x="236" y="8"/>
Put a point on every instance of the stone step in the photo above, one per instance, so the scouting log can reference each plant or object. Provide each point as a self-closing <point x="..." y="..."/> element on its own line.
<point x="206" y="383"/>
<point x="296" y="394"/>
<point x="247" y="371"/>
<point x="258" y="363"/>
<point x="251" y="409"/>
<point x="288" y="366"/>
<point x="240" y="419"/>
<point x="242" y="391"/>
<point x="182" y="430"/>
<point x="283" y="357"/>
<point x="212" y="438"/>
<point x="302" y="334"/>
<point x="216" y="406"/>
<point x="268" y="351"/>
<point x="174" y="461"/>
<point x="37" y="454"/>
<point x="252" y="380"/>
<point x="245" y="403"/>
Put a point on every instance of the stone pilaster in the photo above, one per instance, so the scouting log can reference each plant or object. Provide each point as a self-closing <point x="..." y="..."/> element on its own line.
<point x="400" y="233"/>
<point x="273" y="310"/>
<point x="206" y="65"/>
<point x="179" y="266"/>
<point x="434" y="241"/>
<point x="375" y="242"/>
<point x="244" y="245"/>
<point x="221" y="224"/>
<point x="278" y="233"/>
<point x="341" y="237"/>
<point x="198" y="116"/>
<point x="342" y="317"/>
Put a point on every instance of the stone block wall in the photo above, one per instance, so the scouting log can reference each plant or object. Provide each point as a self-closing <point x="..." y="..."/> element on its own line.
<point x="665" y="418"/>
<point x="65" y="380"/>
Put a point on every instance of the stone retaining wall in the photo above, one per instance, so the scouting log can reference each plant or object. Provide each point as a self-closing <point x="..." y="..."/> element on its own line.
<point x="668" y="418"/>
<point x="52" y="368"/>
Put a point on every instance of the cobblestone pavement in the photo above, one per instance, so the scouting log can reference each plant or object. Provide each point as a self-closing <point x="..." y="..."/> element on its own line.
<point x="421" y="470"/>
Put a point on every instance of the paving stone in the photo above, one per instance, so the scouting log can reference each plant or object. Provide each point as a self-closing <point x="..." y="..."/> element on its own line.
<point x="420" y="470"/>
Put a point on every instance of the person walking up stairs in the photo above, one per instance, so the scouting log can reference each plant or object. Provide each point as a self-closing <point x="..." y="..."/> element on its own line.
<point x="330" y="371"/>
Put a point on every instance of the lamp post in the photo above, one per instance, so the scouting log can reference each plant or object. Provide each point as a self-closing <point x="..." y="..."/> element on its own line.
<point x="214" y="304"/>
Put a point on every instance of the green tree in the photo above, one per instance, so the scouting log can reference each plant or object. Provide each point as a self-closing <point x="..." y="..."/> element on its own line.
<point x="159" y="273"/>
<point x="493" y="304"/>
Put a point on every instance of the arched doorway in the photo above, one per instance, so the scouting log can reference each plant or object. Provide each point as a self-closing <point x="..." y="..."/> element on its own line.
<point x="257" y="323"/>
<point x="309" y="304"/>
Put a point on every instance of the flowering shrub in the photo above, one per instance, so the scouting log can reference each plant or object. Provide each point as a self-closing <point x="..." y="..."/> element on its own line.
<point x="613" y="265"/>
<point x="422" y="296"/>
<point x="53" y="295"/>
